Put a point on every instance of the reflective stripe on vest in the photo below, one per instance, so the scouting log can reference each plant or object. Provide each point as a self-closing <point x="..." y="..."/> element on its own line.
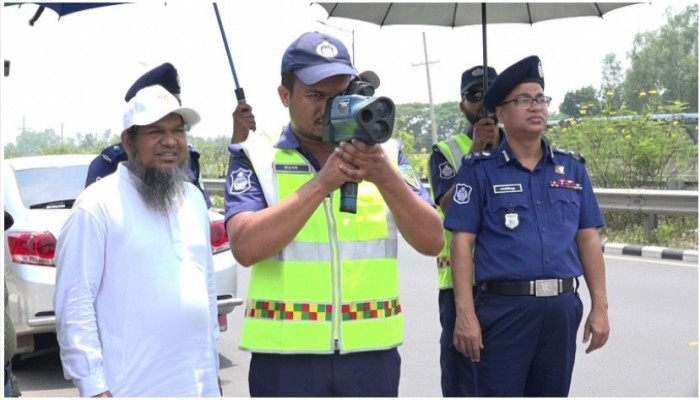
<point x="335" y="285"/>
<point x="453" y="149"/>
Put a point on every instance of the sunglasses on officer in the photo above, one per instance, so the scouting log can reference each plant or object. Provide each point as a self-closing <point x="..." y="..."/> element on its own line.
<point x="473" y="96"/>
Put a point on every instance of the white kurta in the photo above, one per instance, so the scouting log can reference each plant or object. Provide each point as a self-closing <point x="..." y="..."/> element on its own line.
<point x="135" y="295"/>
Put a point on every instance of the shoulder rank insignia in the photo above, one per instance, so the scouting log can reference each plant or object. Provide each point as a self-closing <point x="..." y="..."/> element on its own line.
<point x="478" y="155"/>
<point x="573" y="154"/>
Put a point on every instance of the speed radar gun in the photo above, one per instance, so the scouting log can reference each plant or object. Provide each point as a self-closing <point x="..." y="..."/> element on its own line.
<point x="357" y="114"/>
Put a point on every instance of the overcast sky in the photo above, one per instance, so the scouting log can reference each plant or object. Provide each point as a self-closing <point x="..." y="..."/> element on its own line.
<point x="71" y="74"/>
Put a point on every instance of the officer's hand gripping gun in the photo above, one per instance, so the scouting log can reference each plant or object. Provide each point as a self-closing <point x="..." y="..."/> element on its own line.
<point x="356" y="114"/>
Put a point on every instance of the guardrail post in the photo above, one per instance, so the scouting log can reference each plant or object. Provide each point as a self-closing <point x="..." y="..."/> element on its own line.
<point x="651" y="221"/>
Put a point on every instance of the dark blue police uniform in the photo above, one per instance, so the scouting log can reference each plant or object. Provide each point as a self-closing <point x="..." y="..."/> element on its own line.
<point x="106" y="163"/>
<point x="525" y="224"/>
<point x="457" y="377"/>
<point x="442" y="182"/>
<point x="312" y="375"/>
<point x="457" y="371"/>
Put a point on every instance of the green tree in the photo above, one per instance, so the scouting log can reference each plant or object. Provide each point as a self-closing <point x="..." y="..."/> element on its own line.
<point x="612" y="77"/>
<point x="415" y="117"/>
<point x="665" y="62"/>
<point x="631" y="151"/>
<point x="31" y="143"/>
<point x="214" y="153"/>
<point x="93" y="143"/>
<point x="581" y="102"/>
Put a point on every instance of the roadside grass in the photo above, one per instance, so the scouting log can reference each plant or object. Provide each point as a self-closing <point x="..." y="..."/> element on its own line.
<point x="680" y="232"/>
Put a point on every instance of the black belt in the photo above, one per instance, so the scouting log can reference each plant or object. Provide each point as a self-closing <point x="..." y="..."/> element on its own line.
<point x="539" y="288"/>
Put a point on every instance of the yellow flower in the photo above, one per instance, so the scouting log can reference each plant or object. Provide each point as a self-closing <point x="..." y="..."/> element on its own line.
<point x="653" y="91"/>
<point x="610" y="93"/>
<point x="642" y="94"/>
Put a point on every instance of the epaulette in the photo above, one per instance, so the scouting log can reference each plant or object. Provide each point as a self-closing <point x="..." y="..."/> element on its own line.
<point x="573" y="154"/>
<point x="192" y="148"/>
<point x="236" y="150"/>
<point x="472" y="158"/>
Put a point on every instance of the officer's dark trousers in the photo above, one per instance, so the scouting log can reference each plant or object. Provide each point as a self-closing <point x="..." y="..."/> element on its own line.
<point x="529" y="344"/>
<point x="364" y="374"/>
<point x="457" y="376"/>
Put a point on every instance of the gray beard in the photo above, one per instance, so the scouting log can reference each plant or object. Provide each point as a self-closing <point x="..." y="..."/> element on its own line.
<point x="161" y="190"/>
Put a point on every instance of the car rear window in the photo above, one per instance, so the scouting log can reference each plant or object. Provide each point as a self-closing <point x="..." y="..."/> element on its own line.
<point x="44" y="186"/>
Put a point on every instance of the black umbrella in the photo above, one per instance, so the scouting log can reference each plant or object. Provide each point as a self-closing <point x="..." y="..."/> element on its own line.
<point x="61" y="9"/>
<point x="460" y="14"/>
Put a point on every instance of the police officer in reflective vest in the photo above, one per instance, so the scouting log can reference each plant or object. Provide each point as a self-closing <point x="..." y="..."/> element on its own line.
<point x="323" y="316"/>
<point x="529" y="215"/>
<point x="457" y="376"/>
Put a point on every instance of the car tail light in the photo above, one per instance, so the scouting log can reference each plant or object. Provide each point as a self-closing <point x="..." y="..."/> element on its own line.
<point x="34" y="248"/>
<point x="219" y="238"/>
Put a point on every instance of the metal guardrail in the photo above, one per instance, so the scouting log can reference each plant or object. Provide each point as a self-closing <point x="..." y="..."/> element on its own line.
<point x="646" y="201"/>
<point x="649" y="201"/>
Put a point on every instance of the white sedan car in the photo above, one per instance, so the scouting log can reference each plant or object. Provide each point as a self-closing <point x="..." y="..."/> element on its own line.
<point x="39" y="193"/>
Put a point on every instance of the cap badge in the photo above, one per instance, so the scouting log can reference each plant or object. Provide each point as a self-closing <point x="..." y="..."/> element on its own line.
<point x="478" y="72"/>
<point x="326" y="49"/>
<point x="540" y="70"/>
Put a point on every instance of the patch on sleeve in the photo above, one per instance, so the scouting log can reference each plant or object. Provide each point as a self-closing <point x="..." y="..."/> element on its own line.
<point x="462" y="193"/>
<point x="446" y="170"/>
<point x="409" y="176"/>
<point x="239" y="181"/>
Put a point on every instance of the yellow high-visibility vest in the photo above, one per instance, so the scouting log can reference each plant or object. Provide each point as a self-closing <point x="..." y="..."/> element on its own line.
<point x="335" y="286"/>
<point x="453" y="149"/>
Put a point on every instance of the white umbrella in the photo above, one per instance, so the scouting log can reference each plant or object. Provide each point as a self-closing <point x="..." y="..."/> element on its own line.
<point x="460" y="14"/>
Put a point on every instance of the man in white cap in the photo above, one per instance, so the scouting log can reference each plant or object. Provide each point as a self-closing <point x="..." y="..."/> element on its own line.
<point x="135" y="293"/>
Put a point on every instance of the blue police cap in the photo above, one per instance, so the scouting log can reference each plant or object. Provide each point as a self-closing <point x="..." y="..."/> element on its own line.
<point x="528" y="69"/>
<point x="475" y="76"/>
<point x="164" y="75"/>
<point x="316" y="56"/>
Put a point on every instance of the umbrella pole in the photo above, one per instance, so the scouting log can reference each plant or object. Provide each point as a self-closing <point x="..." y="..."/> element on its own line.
<point x="240" y="95"/>
<point x="483" y="45"/>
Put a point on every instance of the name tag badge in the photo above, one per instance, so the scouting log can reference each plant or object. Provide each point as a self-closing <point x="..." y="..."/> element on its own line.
<point x="512" y="221"/>
<point x="509" y="188"/>
<point x="292" y="168"/>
